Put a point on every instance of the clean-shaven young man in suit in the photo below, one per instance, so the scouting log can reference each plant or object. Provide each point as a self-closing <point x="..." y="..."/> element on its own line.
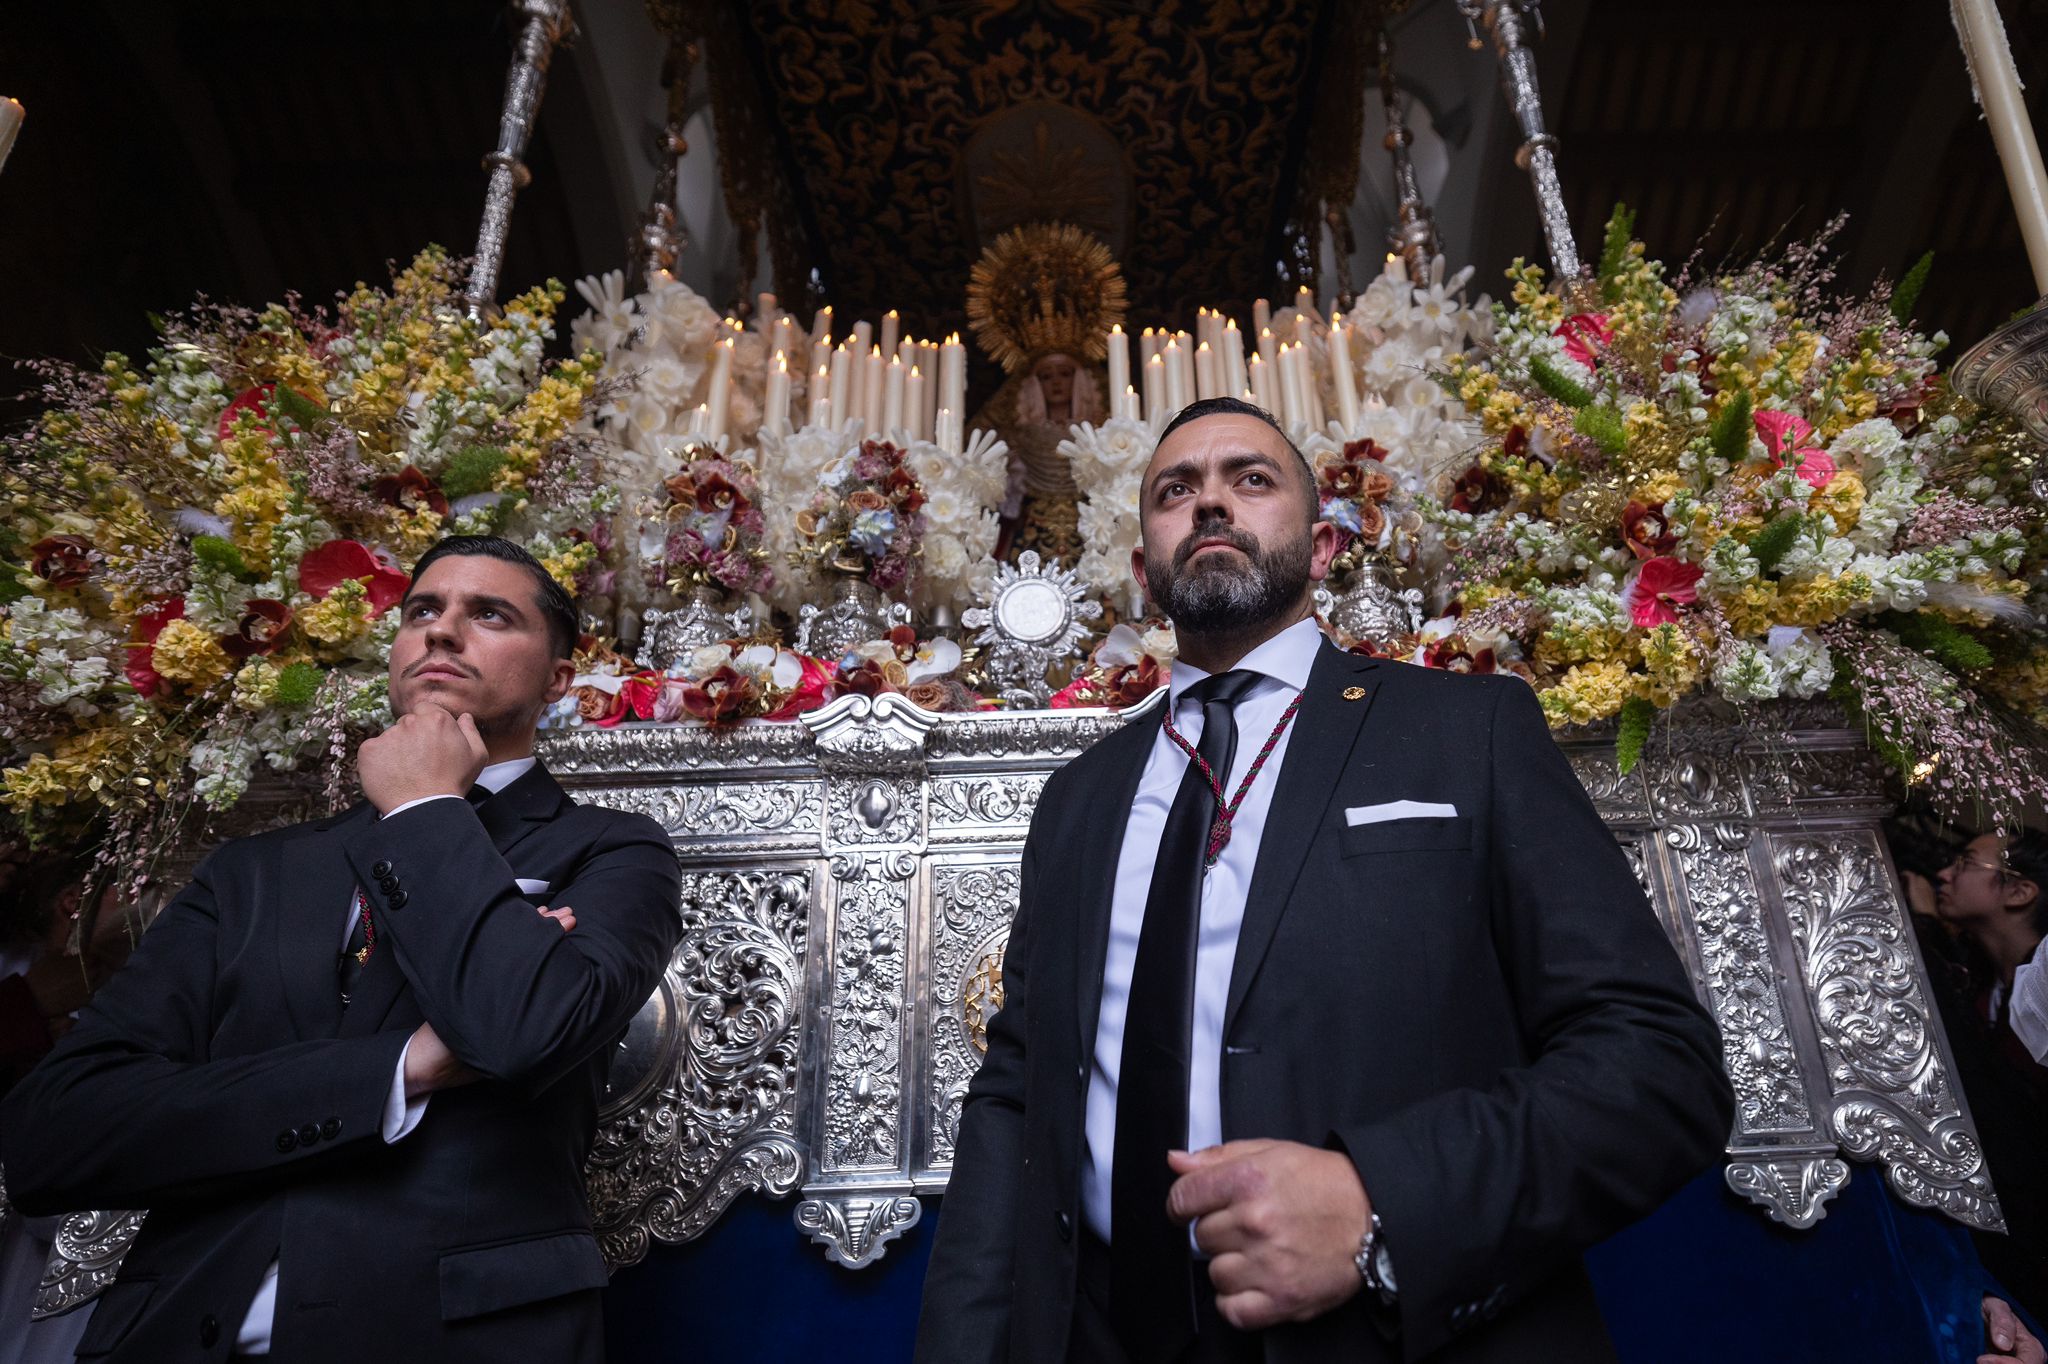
<point x="1353" y="1073"/>
<point x="353" y="1070"/>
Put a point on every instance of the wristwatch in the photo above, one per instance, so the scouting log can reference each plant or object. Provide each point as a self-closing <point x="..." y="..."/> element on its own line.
<point x="1375" y="1266"/>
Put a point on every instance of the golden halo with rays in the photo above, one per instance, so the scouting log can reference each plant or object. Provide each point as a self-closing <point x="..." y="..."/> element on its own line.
<point x="1041" y="288"/>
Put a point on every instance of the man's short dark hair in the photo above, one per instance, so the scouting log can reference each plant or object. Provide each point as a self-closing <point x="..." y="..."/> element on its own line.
<point x="557" y="607"/>
<point x="1212" y="407"/>
<point x="2026" y="859"/>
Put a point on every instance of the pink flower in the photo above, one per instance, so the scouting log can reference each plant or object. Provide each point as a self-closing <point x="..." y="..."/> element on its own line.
<point x="1585" y="336"/>
<point x="1658" y="589"/>
<point x="1781" y="433"/>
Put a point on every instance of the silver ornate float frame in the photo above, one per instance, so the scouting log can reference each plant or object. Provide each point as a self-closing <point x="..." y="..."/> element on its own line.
<point x="848" y="882"/>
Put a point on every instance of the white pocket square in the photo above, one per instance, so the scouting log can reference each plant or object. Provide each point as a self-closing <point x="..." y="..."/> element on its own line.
<point x="1355" y="815"/>
<point x="529" y="886"/>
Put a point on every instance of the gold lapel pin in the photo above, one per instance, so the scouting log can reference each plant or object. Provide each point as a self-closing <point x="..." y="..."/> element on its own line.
<point x="1354" y="693"/>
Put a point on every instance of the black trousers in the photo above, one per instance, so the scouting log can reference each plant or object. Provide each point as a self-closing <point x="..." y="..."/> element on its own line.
<point x="1093" y="1339"/>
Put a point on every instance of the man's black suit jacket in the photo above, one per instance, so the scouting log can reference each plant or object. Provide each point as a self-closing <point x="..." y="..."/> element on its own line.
<point x="217" y="1081"/>
<point x="1482" y="1011"/>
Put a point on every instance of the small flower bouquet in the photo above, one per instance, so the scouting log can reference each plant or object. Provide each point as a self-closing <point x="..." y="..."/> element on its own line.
<point x="867" y="516"/>
<point x="1130" y="663"/>
<point x="713" y="530"/>
<point x="199" y="553"/>
<point x="1353" y="486"/>
<point x="1742" y="486"/>
<point x="921" y="671"/>
<point x="719" y="684"/>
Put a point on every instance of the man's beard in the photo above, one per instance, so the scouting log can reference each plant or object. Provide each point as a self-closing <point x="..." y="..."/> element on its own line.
<point x="1217" y="597"/>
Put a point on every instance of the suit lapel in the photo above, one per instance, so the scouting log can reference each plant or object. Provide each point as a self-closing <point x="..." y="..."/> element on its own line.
<point x="311" y="912"/>
<point x="1325" y="731"/>
<point x="1109" y="811"/>
<point x="508" y="817"/>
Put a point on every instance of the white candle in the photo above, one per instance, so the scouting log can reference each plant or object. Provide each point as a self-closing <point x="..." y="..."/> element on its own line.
<point x="764" y="310"/>
<point x="1187" y="367"/>
<point x="1262" y="318"/>
<point x="913" y="403"/>
<point x="700" y="422"/>
<point x="842" y="383"/>
<point x="863" y="337"/>
<point x="946" y="437"/>
<point x="1345" y="382"/>
<point x="775" y="420"/>
<point x="1119" y="360"/>
<point x="928" y="361"/>
<point x="1997" y="85"/>
<point x="1133" y="409"/>
<point x="1177" y="385"/>
<point x="1235" y="380"/>
<point x="1208" y="384"/>
<point x="1148" y="346"/>
<point x="821" y="356"/>
<point x="1155" y="385"/>
<point x="821" y="325"/>
<point x="873" y="380"/>
<point x="1294" y="390"/>
<point x="953" y="375"/>
<point x="1312" y="384"/>
<point x="1305" y="301"/>
<point x="721" y="388"/>
<point x="1269" y="349"/>
<point x="892" y="397"/>
<point x="1262" y="384"/>
<point x="821" y="397"/>
<point x="892" y="325"/>
<point x="11" y="115"/>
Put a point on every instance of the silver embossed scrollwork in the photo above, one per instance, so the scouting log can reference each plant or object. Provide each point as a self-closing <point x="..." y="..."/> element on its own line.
<point x="1791" y="1189"/>
<point x="1893" y="1099"/>
<point x="854" y="1228"/>
<point x="972" y="905"/>
<point x="712" y="1112"/>
<point x="84" y="1258"/>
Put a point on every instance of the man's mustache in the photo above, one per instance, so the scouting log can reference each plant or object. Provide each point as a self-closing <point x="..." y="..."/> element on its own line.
<point x="1237" y="539"/>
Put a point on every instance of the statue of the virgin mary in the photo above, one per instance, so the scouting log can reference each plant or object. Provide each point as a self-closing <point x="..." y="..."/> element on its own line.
<point x="1042" y="300"/>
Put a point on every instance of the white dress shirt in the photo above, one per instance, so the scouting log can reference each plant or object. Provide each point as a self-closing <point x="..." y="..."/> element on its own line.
<point x="1284" y="661"/>
<point x="401" y="1114"/>
<point x="2029" y="1016"/>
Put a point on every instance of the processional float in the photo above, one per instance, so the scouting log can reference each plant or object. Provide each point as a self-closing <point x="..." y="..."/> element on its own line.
<point x="849" y="876"/>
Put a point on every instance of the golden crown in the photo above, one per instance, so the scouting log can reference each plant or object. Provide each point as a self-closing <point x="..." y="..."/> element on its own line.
<point x="1041" y="288"/>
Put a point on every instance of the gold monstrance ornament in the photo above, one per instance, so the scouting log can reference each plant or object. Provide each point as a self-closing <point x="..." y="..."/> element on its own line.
<point x="1045" y="288"/>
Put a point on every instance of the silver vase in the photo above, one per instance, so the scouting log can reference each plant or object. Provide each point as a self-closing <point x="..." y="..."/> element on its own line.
<point x="708" y="615"/>
<point x="1370" y="605"/>
<point x="856" y="614"/>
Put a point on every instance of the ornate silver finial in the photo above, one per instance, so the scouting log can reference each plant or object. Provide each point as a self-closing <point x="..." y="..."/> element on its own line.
<point x="1031" y="620"/>
<point x="1505" y="20"/>
<point x="855" y="615"/>
<point x="547" y="23"/>
<point x="1413" y="237"/>
<point x="1371" y="607"/>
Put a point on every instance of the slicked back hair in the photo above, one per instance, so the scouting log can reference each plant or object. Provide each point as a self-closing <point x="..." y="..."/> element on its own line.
<point x="1214" y="407"/>
<point x="557" y="607"/>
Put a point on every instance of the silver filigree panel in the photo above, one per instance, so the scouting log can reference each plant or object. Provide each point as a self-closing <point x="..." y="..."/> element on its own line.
<point x="863" y="1091"/>
<point x="972" y="904"/>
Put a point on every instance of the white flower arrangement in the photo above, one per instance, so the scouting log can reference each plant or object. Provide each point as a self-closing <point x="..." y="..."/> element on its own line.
<point x="1109" y="465"/>
<point x="962" y="493"/>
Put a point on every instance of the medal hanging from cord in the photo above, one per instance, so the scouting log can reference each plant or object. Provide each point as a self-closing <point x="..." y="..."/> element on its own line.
<point x="1219" y="830"/>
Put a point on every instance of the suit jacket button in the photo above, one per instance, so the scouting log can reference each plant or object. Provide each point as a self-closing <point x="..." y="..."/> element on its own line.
<point x="209" y="1332"/>
<point x="396" y="900"/>
<point x="287" y="1141"/>
<point x="331" y="1129"/>
<point x="387" y="883"/>
<point x="1066" y="1226"/>
<point x="1081" y="1074"/>
<point x="381" y="870"/>
<point x="309" y="1134"/>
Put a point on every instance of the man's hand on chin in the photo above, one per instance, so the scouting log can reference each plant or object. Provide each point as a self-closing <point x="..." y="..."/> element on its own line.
<point x="1282" y="1222"/>
<point x="428" y="752"/>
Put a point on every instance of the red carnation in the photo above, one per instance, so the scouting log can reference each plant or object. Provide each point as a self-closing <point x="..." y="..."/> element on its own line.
<point x="337" y="561"/>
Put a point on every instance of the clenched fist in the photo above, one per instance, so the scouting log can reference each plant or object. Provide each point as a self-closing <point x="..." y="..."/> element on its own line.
<point x="428" y="752"/>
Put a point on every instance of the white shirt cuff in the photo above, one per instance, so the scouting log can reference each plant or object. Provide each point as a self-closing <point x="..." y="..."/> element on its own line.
<point x="401" y="809"/>
<point x="401" y="1114"/>
<point x="2030" y="1005"/>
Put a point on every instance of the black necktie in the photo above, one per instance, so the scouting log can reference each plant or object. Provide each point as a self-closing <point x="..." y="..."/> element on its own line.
<point x="357" y="954"/>
<point x="1152" y="1269"/>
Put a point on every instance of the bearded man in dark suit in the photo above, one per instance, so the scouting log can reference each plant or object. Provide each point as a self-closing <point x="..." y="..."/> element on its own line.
<point x="1336" y="1024"/>
<point x="353" y="1069"/>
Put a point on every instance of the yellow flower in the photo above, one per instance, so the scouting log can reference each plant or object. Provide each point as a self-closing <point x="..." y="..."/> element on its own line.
<point x="256" y="684"/>
<point x="339" y="617"/>
<point x="1841" y="499"/>
<point x="1751" y="609"/>
<point x="1589" y="692"/>
<point x="186" y="653"/>
<point x="36" y="782"/>
<point x="564" y="567"/>
<point x="1820" y="600"/>
<point x="1673" y="665"/>
<point x="1658" y="490"/>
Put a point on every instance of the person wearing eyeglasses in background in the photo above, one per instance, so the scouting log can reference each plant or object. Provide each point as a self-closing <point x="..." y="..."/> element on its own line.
<point x="1994" y="896"/>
